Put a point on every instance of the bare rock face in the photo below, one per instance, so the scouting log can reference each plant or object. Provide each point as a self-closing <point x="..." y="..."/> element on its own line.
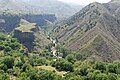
<point x="26" y="38"/>
<point x="94" y="31"/>
<point x="28" y="34"/>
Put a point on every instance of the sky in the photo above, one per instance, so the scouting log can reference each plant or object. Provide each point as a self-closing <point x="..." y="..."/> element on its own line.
<point x="84" y="2"/>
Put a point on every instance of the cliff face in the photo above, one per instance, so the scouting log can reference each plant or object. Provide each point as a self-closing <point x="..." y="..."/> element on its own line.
<point x="39" y="19"/>
<point x="2" y="22"/>
<point x="26" y="38"/>
<point x="31" y="36"/>
<point x="11" y="20"/>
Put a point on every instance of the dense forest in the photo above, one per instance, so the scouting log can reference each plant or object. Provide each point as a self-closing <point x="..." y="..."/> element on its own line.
<point x="16" y="63"/>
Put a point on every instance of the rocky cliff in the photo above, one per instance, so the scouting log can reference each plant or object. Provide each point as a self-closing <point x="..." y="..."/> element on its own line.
<point x="11" y="19"/>
<point x="26" y="38"/>
<point x="31" y="36"/>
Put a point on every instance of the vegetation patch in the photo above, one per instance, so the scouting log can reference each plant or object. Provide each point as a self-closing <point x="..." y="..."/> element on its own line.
<point x="50" y="68"/>
<point x="25" y="26"/>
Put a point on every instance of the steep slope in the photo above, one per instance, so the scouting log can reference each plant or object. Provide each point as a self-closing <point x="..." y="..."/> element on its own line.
<point x="93" y="32"/>
<point x="58" y="8"/>
<point x="31" y="36"/>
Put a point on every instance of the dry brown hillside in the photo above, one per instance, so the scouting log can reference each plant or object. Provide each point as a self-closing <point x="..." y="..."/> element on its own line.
<point x="94" y="31"/>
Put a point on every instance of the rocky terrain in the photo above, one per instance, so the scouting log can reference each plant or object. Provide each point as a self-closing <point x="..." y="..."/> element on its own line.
<point x="94" y="31"/>
<point x="31" y="36"/>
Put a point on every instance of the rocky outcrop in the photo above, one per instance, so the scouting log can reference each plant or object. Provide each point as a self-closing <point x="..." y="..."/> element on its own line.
<point x="11" y="20"/>
<point x="31" y="36"/>
<point x="26" y="38"/>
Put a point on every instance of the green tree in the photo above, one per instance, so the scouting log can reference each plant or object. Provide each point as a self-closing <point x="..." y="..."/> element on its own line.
<point x="83" y="71"/>
<point x="10" y="71"/>
<point x="75" y="78"/>
<point x="91" y="76"/>
<point x="100" y="65"/>
<point x="23" y="76"/>
<point x="26" y="67"/>
<point x="62" y="64"/>
<point x="2" y="47"/>
<point x="79" y="56"/>
<point x="71" y="58"/>
<point x="8" y="61"/>
<point x="7" y="49"/>
<point x="36" y="60"/>
<point x="101" y="76"/>
<point x="111" y="68"/>
<point x="112" y="76"/>
<point x="3" y="67"/>
<point x="4" y="76"/>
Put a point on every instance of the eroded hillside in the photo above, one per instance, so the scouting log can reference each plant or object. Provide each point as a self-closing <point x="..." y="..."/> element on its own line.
<point x="93" y="31"/>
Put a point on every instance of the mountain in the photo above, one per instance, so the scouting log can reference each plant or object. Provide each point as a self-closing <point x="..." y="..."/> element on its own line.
<point x="58" y="8"/>
<point x="94" y="31"/>
<point x="15" y="4"/>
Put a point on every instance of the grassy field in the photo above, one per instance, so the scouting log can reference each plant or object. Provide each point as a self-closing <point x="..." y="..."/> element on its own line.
<point x="25" y="26"/>
<point x="50" y="68"/>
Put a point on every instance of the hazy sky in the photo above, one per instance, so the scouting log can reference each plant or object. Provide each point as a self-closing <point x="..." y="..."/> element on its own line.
<point x="84" y="2"/>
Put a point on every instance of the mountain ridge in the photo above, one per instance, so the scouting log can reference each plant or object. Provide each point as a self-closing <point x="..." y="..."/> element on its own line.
<point x="52" y="6"/>
<point x="93" y="31"/>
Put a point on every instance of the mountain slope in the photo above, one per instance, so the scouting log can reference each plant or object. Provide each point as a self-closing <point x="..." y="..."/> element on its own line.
<point x="15" y="4"/>
<point x="93" y="32"/>
<point x="46" y="6"/>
